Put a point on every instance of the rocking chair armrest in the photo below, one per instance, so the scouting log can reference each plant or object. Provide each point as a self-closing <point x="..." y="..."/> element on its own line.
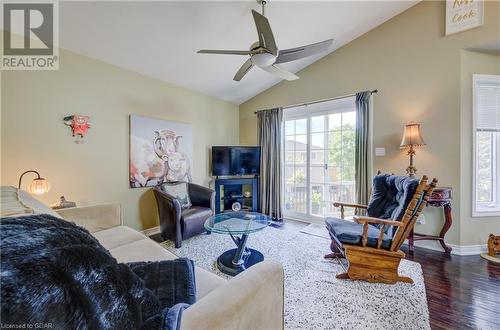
<point x="357" y="206"/>
<point x="364" y="219"/>
<point x="342" y="205"/>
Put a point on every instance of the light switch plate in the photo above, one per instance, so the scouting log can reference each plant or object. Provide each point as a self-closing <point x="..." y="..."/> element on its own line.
<point x="379" y="152"/>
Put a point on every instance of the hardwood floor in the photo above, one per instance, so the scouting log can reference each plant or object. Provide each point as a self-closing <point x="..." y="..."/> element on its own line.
<point x="462" y="292"/>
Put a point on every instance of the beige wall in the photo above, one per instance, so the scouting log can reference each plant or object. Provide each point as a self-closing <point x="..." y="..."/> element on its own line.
<point x="473" y="230"/>
<point x="417" y="70"/>
<point x="33" y="135"/>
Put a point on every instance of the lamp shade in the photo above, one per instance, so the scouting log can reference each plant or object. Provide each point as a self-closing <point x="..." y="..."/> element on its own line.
<point x="412" y="136"/>
<point x="39" y="186"/>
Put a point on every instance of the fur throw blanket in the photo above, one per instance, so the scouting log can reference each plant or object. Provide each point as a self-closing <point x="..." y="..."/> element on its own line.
<point x="55" y="273"/>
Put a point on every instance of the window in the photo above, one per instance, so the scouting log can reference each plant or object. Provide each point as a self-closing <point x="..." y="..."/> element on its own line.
<point x="319" y="148"/>
<point x="486" y="176"/>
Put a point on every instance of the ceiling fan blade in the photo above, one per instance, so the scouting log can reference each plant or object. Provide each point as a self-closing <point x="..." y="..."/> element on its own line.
<point x="266" y="37"/>
<point x="278" y="71"/>
<point x="243" y="70"/>
<point x="225" y="52"/>
<point x="292" y="54"/>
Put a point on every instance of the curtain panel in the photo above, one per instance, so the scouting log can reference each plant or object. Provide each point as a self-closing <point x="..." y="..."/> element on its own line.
<point x="362" y="171"/>
<point x="270" y="125"/>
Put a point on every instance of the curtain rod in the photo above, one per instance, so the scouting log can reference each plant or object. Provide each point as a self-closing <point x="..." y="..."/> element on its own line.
<point x="319" y="101"/>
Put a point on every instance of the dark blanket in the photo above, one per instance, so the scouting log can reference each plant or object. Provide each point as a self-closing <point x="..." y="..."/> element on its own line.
<point x="55" y="273"/>
<point x="171" y="282"/>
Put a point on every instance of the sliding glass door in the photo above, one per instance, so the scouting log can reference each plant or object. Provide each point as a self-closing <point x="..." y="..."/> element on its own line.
<point x="319" y="158"/>
<point x="296" y="148"/>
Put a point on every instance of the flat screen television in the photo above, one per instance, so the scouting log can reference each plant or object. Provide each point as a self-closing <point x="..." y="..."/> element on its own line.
<point x="235" y="161"/>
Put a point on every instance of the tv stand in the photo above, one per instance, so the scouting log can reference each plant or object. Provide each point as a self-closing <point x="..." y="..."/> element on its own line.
<point x="231" y="190"/>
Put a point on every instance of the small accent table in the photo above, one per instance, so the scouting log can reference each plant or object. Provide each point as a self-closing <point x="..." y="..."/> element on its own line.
<point x="440" y="197"/>
<point x="235" y="261"/>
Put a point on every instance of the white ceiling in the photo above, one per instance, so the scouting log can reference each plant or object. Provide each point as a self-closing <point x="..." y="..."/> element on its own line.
<point x="160" y="39"/>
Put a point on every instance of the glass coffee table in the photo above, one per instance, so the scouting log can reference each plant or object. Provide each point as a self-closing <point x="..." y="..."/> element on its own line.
<point x="235" y="261"/>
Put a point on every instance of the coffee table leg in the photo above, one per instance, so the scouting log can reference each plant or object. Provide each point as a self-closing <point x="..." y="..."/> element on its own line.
<point x="238" y="260"/>
<point x="233" y="262"/>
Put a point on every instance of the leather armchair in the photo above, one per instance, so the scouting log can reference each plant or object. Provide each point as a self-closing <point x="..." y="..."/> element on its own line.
<point x="178" y="224"/>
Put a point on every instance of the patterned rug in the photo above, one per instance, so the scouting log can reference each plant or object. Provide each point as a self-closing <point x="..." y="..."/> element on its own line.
<point x="314" y="298"/>
<point x="316" y="230"/>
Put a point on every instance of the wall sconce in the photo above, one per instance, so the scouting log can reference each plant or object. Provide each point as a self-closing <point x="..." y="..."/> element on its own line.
<point x="412" y="138"/>
<point x="38" y="186"/>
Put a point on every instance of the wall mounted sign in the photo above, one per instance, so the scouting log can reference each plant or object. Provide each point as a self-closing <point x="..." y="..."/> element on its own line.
<point x="463" y="15"/>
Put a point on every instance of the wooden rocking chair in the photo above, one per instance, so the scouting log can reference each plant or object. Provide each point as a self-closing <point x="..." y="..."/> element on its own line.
<point x="372" y="252"/>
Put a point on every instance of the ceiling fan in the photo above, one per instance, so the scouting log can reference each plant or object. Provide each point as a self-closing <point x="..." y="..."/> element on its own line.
<point x="265" y="54"/>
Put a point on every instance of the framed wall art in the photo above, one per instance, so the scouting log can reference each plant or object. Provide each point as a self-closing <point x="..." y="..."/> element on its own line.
<point x="463" y="15"/>
<point x="160" y="151"/>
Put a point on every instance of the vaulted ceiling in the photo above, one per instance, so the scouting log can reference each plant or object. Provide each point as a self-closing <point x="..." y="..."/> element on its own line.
<point x="160" y="39"/>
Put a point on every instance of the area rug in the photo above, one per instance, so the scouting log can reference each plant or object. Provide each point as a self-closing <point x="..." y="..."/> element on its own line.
<point x="316" y="230"/>
<point x="314" y="297"/>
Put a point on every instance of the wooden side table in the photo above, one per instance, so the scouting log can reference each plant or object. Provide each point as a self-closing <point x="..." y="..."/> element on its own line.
<point x="441" y="197"/>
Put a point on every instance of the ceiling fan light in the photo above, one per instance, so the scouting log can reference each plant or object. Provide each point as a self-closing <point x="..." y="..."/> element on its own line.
<point x="263" y="59"/>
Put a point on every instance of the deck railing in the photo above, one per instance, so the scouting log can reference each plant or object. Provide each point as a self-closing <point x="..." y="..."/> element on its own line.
<point x="322" y="197"/>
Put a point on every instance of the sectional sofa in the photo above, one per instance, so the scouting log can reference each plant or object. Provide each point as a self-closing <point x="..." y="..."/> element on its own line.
<point x="251" y="300"/>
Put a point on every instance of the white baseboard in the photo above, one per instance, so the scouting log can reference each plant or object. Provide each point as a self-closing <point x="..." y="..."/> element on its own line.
<point x="459" y="250"/>
<point x="151" y="231"/>
<point x="468" y="250"/>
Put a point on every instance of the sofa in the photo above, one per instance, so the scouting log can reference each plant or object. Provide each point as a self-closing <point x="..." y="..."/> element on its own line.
<point x="252" y="300"/>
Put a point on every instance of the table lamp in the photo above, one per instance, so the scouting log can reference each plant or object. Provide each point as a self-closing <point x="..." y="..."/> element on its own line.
<point x="411" y="139"/>
<point x="38" y="186"/>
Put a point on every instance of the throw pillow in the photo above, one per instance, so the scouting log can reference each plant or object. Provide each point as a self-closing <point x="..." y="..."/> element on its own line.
<point x="180" y="191"/>
<point x="16" y="202"/>
<point x="11" y="204"/>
